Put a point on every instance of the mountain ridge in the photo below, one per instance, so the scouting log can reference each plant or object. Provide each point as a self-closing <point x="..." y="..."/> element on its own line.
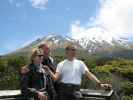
<point x="87" y="46"/>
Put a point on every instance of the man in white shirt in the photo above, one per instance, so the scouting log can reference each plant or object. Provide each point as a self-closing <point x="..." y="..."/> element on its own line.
<point x="69" y="72"/>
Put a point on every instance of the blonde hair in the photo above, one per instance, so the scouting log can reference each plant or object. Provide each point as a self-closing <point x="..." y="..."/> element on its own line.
<point x="36" y="52"/>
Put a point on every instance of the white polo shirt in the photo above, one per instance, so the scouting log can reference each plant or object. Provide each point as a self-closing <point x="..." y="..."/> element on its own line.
<point x="71" y="71"/>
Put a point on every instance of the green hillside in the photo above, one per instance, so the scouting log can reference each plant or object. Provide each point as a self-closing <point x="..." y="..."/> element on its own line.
<point x="118" y="72"/>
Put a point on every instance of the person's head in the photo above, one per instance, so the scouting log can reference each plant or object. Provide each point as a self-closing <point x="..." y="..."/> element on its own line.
<point x="37" y="56"/>
<point x="70" y="51"/>
<point x="45" y="48"/>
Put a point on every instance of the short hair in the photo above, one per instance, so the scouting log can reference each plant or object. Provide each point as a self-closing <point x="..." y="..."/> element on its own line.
<point x="43" y="45"/>
<point x="70" y="46"/>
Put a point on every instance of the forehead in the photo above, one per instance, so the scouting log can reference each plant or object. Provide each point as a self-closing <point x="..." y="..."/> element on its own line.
<point x="45" y="47"/>
<point x="70" y="47"/>
<point x="39" y="52"/>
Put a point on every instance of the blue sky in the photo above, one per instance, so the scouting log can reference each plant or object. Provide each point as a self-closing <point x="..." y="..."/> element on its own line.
<point x="22" y="21"/>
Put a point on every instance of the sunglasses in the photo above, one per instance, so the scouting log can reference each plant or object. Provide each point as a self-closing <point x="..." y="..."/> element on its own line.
<point x="71" y="49"/>
<point x="40" y="55"/>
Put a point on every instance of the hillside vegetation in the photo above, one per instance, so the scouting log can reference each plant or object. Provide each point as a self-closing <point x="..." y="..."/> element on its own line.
<point x="118" y="72"/>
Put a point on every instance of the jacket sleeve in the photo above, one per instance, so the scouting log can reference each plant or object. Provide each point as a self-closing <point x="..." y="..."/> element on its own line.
<point x="25" y="84"/>
<point x="50" y="88"/>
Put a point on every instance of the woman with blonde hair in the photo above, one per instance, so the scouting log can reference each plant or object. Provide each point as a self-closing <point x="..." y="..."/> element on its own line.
<point x="35" y="83"/>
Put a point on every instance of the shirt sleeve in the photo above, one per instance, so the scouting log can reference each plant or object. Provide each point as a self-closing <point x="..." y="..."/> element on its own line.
<point x="84" y="67"/>
<point x="59" y="68"/>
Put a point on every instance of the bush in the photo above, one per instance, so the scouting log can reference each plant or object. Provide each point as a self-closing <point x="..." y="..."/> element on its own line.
<point x="9" y="72"/>
<point x="127" y="88"/>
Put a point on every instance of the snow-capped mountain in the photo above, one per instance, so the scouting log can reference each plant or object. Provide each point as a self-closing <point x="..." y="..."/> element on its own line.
<point x="94" y="45"/>
<point x="54" y="41"/>
<point x="91" y="46"/>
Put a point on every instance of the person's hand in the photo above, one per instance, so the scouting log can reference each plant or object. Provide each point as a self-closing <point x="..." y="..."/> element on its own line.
<point x="46" y="68"/>
<point x="24" y="69"/>
<point x="41" y="96"/>
<point x="106" y="86"/>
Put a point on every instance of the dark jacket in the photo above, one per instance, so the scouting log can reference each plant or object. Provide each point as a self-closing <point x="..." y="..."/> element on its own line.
<point x="50" y="63"/>
<point x="36" y="80"/>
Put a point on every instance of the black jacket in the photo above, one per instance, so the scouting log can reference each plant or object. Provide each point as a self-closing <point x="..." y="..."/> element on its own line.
<point x="36" y="80"/>
<point x="50" y="63"/>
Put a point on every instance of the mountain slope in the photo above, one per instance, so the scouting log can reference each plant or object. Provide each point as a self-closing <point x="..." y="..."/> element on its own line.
<point x="84" y="45"/>
<point x="54" y="41"/>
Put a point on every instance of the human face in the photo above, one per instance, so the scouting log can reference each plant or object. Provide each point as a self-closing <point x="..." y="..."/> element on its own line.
<point x="38" y="59"/>
<point x="71" y="53"/>
<point x="46" y="50"/>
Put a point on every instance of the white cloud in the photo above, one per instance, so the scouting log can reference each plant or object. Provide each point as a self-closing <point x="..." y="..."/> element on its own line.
<point x="113" y="20"/>
<point x="41" y="4"/>
<point x="90" y="33"/>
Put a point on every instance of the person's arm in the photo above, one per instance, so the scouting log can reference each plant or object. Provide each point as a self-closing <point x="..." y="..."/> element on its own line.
<point x="55" y="76"/>
<point x="99" y="83"/>
<point x="24" y="80"/>
<point x="92" y="77"/>
<point x="87" y="72"/>
<point x="24" y="70"/>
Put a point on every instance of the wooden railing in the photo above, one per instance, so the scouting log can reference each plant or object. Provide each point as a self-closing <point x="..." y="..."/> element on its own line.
<point x="86" y="94"/>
